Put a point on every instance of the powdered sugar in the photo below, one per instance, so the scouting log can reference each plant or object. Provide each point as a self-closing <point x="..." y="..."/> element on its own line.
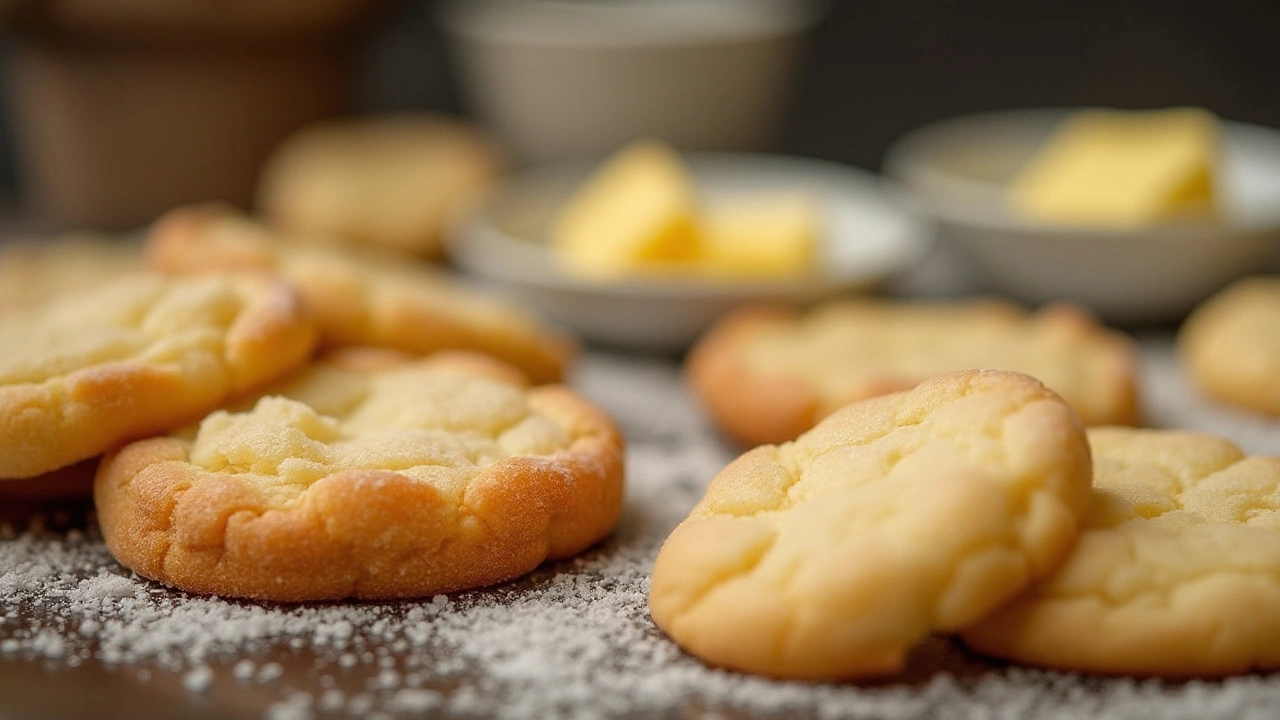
<point x="574" y="639"/>
<point x="198" y="679"/>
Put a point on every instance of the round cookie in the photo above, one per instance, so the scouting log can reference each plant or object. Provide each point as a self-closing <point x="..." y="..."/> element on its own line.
<point x="394" y="182"/>
<point x="368" y="475"/>
<point x="767" y="374"/>
<point x="86" y="372"/>
<point x="1176" y="572"/>
<point x="1231" y="345"/>
<point x="360" y="299"/>
<point x="832" y="556"/>
<point x="34" y="271"/>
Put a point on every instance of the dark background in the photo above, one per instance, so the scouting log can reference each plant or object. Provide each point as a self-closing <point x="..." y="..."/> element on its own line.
<point x="877" y="69"/>
<point x="874" y="70"/>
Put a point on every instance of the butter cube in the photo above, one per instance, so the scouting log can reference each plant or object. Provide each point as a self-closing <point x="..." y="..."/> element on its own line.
<point x="1110" y="168"/>
<point x="760" y="236"/>
<point x="636" y="213"/>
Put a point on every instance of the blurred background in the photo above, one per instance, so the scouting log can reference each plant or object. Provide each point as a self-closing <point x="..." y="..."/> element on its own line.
<point x="873" y="70"/>
<point x="867" y="71"/>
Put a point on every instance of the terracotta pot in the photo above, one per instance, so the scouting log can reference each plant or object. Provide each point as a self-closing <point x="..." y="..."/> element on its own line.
<point x="125" y="108"/>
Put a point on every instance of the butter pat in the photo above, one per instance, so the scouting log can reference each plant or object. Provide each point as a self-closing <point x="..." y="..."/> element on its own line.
<point x="636" y="213"/>
<point x="1122" y="169"/>
<point x="761" y="236"/>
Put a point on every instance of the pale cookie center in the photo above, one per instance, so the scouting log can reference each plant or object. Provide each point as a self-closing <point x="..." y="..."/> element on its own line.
<point x="1169" y="513"/>
<point x="1238" y="493"/>
<point x="150" y="321"/>
<point x="1199" y="480"/>
<point x="839" y="352"/>
<point x="440" y="429"/>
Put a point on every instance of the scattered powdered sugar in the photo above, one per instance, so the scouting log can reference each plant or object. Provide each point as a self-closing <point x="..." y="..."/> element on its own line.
<point x="297" y="707"/>
<point x="272" y="670"/>
<point x="572" y="640"/>
<point x="198" y="679"/>
<point x="106" y="586"/>
<point x="415" y="702"/>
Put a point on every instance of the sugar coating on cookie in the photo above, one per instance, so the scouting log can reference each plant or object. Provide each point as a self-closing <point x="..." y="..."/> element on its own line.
<point x="361" y="299"/>
<point x="1231" y="345"/>
<point x="394" y="182"/>
<point x="137" y="356"/>
<point x="766" y="374"/>
<point x="1176" y="571"/>
<point x="901" y="515"/>
<point x="36" y="271"/>
<point x="368" y="476"/>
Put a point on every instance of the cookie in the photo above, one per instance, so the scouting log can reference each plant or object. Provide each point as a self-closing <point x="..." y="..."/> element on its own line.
<point x="1230" y="345"/>
<point x="362" y="300"/>
<point x="393" y="182"/>
<point x="767" y="374"/>
<point x="66" y="484"/>
<point x="1176" y="572"/>
<point x="34" y="271"/>
<point x="832" y="556"/>
<point x="137" y="356"/>
<point x="368" y="476"/>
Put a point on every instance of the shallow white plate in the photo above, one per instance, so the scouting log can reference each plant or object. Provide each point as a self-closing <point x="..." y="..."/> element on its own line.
<point x="868" y="237"/>
<point x="958" y="170"/>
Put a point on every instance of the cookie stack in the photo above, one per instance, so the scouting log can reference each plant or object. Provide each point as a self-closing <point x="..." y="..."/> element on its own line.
<point x="282" y="421"/>
<point x="976" y="503"/>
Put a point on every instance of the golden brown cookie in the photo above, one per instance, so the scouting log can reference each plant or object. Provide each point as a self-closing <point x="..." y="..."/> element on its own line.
<point x="1176" y="572"/>
<point x="394" y="182"/>
<point x="1231" y="345"/>
<point x="368" y="475"/>
<point x="137" y="356"/>
<point x="34" y="271"/>
<point x="768" y="374"/>
<point x="362" y="300"/>
<point x="898" y="516"/>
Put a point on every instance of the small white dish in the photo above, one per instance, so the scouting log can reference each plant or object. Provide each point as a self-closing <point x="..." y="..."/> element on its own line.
<point x="958" y="170"/>
<point x="699" y="74"/>
<point x="868" y="237"/>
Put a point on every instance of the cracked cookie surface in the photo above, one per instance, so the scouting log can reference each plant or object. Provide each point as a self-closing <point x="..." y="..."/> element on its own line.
<point x="368" y="475"/>
<point x="84" y="373"/>
<point x="766" y="375"/>
<point x="901" y="515"/>
<point x="361" y="299"/>
<point x="1231" y="344"/>
<point x="1176" y="572"/>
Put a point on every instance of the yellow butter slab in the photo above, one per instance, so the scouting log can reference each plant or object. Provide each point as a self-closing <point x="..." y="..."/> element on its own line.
<point x="760" y="236"/>
<point x="1109" y="168"/>
<point x="636" y="211"/>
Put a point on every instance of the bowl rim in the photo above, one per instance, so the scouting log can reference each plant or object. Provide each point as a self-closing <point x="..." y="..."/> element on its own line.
<point x="464" y="19"/>
<point x="907" y="160"/>
<point x="478" y="233"/>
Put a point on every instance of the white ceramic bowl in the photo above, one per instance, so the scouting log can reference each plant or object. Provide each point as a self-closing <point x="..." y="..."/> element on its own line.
<point x="958" y="170"/>
<point x="563" y="80"/>
<point x="868" y="237"/>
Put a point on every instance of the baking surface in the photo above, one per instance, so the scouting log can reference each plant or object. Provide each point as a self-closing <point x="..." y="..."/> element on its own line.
<point x="80" y="637"/>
